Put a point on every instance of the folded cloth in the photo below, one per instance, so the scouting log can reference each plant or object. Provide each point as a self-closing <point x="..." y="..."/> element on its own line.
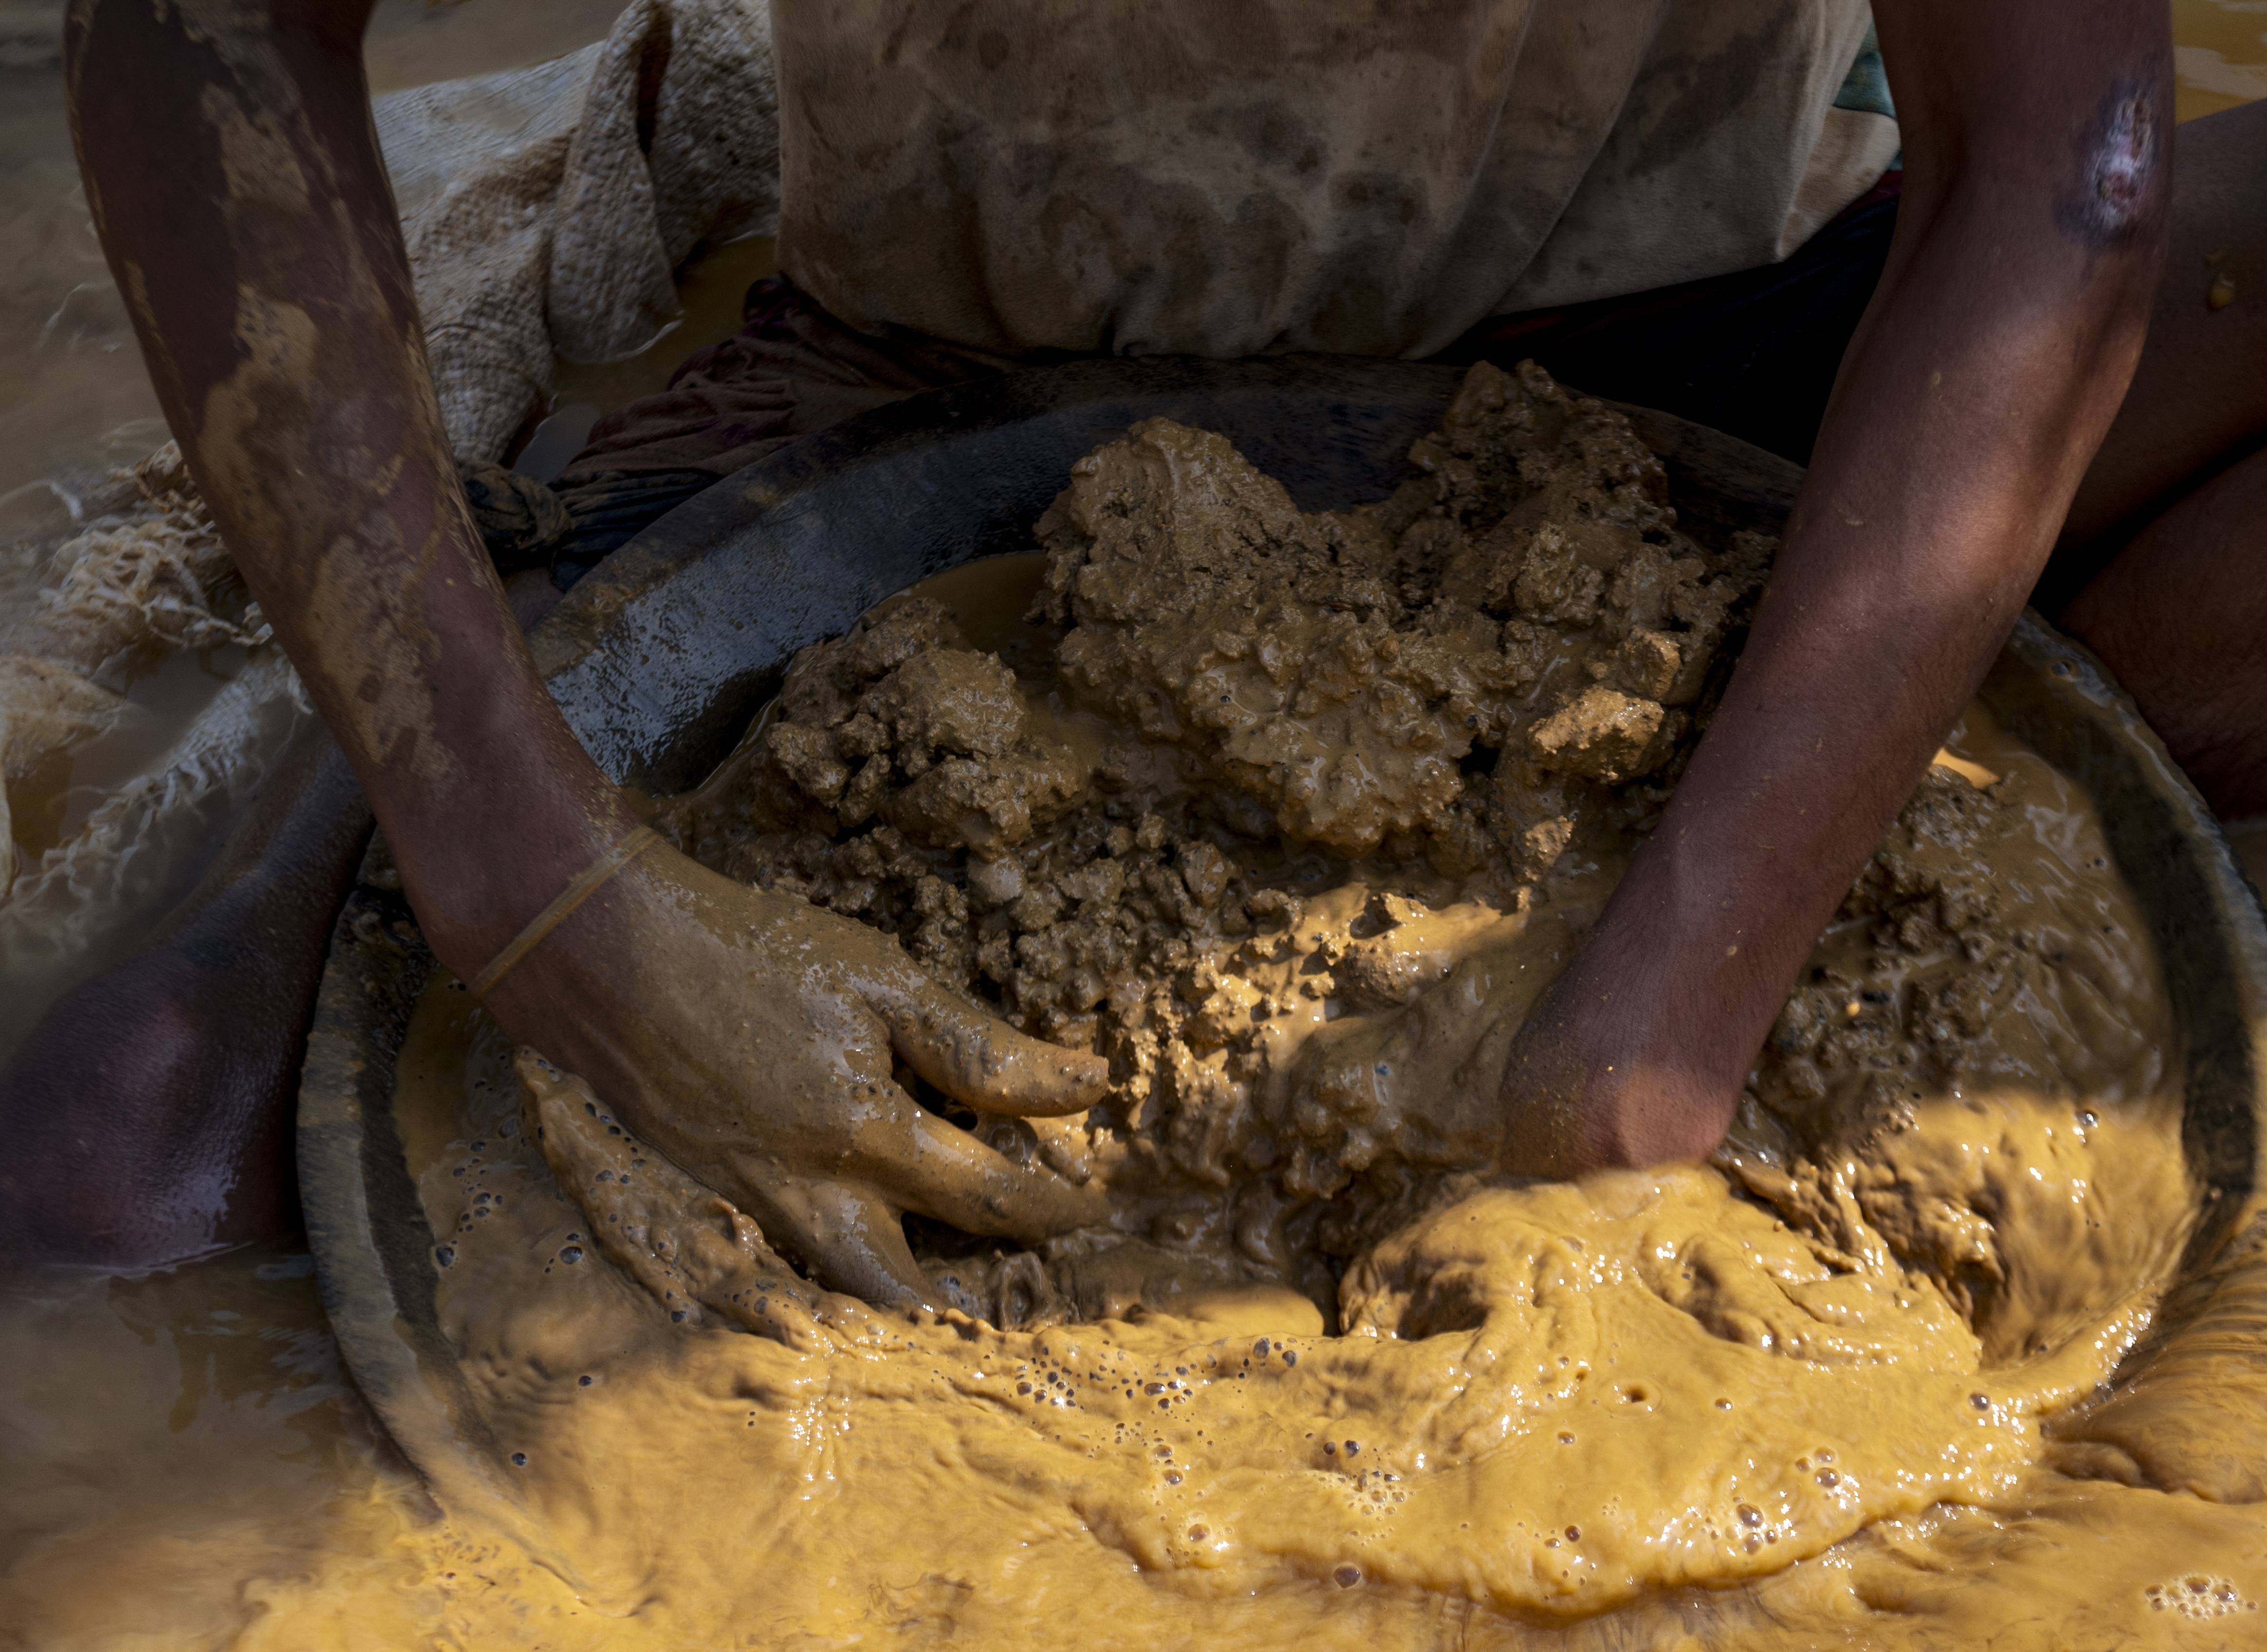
<point x="546" y="209"/>
<point x="520" y="520"/>
<point x="793" y="369"/>
<point x="570" y="529"/>
<point x="606" y="511"/>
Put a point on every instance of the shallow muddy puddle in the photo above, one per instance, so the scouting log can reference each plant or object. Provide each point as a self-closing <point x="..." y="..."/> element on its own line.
<point x="172" y="1446"/>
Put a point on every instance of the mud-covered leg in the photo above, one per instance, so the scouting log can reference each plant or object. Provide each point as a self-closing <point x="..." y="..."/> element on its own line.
<point x="149" y="1109"/>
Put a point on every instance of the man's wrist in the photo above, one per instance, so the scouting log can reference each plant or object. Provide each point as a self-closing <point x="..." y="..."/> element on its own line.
<point x="1638" y="1054"/>
<point x="477" y="876"/>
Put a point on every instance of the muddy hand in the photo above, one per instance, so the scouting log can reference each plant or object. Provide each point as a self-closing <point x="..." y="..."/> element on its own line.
<point x="749" y="1035"/>
<point x="1422" y="1083"/>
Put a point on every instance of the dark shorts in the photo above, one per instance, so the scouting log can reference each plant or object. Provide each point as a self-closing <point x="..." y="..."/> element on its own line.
<point x="1752" y="353"/>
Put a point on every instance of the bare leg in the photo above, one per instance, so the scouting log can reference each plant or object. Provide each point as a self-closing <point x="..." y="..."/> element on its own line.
<point x="2181" y="617"/>
<point x="156" y="1100"/>
<point x="148" y="1115"/>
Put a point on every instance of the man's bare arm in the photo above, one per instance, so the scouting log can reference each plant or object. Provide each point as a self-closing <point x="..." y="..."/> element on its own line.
<point x="235" y="180"/>
<point x="1969" y="403"/>
<point x="234" y="176"/>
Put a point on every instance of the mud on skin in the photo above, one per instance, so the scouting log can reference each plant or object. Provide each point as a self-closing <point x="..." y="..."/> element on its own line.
<point x="1290" y="818"/>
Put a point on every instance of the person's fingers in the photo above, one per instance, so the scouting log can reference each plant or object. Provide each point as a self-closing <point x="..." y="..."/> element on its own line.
<point x="984" y="1063"/>
<point x="847" y="1239"/>
<point x="955" y="1179"/>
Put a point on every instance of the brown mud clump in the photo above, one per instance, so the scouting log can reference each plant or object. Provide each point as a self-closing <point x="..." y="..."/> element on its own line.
<point x="1290" y="814"/>
<point x="1251" y="770"/>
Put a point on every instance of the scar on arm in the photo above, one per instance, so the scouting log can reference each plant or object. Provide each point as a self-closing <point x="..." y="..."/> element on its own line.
<point x="2122" y="159"/>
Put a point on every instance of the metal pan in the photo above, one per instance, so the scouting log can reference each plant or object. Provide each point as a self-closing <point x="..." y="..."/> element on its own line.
<point x="660" y="658"/>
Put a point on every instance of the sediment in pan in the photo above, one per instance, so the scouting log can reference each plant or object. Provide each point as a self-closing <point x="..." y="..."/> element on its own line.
<point x="1290" y="816"/>
<point x="1253" y="800"/>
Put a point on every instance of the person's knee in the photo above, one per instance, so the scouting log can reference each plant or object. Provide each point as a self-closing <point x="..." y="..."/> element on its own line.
<point x="139" y="1130"/>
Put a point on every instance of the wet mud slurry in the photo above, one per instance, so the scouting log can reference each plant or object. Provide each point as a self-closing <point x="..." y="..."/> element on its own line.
<point x="1289" y="817"/>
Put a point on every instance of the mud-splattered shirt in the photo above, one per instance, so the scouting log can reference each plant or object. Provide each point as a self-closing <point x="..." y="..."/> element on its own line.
<point x="1233" y="177"/>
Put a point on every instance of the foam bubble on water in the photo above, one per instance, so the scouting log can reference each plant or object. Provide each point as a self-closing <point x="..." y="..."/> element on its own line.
<point x="2198" y="1597"/>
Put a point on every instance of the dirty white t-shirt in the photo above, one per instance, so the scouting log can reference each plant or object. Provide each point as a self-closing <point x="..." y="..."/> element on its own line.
<point x="1232" y="177"/>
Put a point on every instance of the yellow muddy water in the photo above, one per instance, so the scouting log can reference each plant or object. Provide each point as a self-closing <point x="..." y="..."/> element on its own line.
<point x="1617" y="1411"/>
<point x="1641" y="1411"/>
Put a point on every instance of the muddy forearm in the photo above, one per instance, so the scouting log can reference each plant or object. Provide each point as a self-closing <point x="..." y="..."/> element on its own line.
<point x="234" y="178"/>
<point x="1969" y="403"/>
